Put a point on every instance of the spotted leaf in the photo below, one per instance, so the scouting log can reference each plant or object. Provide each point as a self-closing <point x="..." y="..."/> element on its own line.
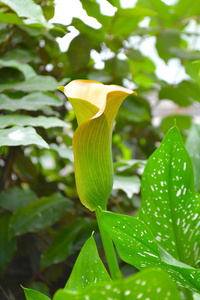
<point x="170" y="206"/>
<point x="88" y="269"/>
<point x="137" y="246"/>
<point x="145" y="285"/>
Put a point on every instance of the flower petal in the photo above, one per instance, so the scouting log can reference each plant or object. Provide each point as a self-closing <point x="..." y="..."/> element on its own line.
<point x="92" y="139"/>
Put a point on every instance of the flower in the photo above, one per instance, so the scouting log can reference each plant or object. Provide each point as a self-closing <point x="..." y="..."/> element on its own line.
<point x="95" y="106"/>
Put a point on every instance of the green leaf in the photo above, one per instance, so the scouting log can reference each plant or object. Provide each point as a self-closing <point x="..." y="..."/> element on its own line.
<point x="33" y="101"/>
<point x="137" y="246"/>
<point x="39" y="214"/>
<point x="95" y="106"/>
<point x="15" y="197"/>
<point x="28" y="9"/>
<point x="88" y="269"/>
<point x="26" y="69"/>
<point x="79" y="52"/>
<point x="36" y="83"/>
<point x="193" y="147"/>
<point x="129" y="184"/>
<point x="149" y="284"/>
<point x="184" y="54"/>
<point x="170" y="205"/>
<point x="8" y="245"/>
<point x="24" y="120"/>
<point x="165" y="41"/>
<point x="34" y="295"/>
<point x="62" y="247"/>
<point x="10" y="18"/>
<point x="16" y="136"/>
<point x="182" y="121"/>
<point x="177" y="94"/>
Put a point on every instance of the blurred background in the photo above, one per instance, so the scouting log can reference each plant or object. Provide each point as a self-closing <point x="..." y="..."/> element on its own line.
<point x="150" y="46"/>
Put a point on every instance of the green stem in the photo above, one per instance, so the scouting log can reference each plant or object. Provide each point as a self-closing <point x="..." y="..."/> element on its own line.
<point x="188" y="294"/>
<point x="109" y="249"/>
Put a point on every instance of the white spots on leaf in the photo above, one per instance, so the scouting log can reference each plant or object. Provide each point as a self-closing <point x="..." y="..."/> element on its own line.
<point x="126" y="293"/>
<point x="184" y="166"/>
<point x="195" y="217"/>
<point x="140" y="296"/>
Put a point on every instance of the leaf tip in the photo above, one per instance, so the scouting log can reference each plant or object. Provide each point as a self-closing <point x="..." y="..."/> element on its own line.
<point x="62" y="89"/>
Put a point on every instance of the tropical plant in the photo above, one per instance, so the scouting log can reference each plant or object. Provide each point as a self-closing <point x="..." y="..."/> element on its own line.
<point x="43" y="223"/>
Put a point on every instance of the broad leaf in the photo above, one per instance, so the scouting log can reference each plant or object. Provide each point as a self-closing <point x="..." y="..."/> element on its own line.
<point x="137" y="246"/>
<point x="26" y="69"/>
<point x="149" y="284"/>
<point x="24" y="120"/>
<point x="17" y="135"/>
<point x="8" y="245"/>
<point x="39" y="214"/>
<point x="34" y="295"/>
<point x="33" y="101"/>
<point x="95" y="106"/>
<point x="36" y="83"/>
<point x="170" y="206"/>
<point x="15" y="197"/>
<point x="88" y="269"/>
<point x="130" y="185"/>
<point x="28" y="9"/>
<point x="193" y="147"/>
<point x="62" y="247"/>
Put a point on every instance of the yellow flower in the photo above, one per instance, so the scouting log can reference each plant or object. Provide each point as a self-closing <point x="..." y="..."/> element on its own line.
<point x="95" y="106"/>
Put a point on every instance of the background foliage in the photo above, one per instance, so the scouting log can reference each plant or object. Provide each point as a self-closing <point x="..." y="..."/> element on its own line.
<point x="42" y="222"/>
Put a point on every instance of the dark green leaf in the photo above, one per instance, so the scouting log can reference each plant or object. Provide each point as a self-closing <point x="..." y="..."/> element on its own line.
<point x="62" y="247"/>
<point x="15" y="197"/>
<point x="39" y="214"/>
<point x="8" y="245"/>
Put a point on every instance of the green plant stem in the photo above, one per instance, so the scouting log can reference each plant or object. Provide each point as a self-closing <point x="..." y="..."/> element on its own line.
<point x="109" y="249"/>
<point x="188" y="294"/>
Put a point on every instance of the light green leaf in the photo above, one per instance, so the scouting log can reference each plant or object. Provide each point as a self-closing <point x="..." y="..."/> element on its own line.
<point x="36" y="83"/>
<point x="149" y="284"/>
<point x="15" y="197"/>
<point x="95" y="106"/>
<point x="137" y="246"/>
<point x="17" y="136"/>
<point x="34" y="295"/>
<point x="33" y="101"/>
<point x="88" y="269"/>
<point x="24" y="120"/>
<point x="26" y="69"/>
<point x="8" y="245"/>
<point x="28" y="9"/>
<point x="39" y="214"/>
<point x="170" y="206"/>
<point x="193" y="147"/>
<point x="129" y="184"/>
